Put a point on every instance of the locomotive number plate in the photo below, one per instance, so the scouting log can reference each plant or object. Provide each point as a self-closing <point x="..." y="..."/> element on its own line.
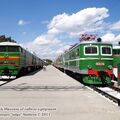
<point x="100" y="64"/>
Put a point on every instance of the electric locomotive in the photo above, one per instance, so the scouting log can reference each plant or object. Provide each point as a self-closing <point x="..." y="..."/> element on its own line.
<point x="15" y="60"/>
<point x="91" y="60"/>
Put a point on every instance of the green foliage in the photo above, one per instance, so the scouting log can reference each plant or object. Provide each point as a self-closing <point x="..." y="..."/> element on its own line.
<point x="6" y="39"/>
<point x="48" y="61"/>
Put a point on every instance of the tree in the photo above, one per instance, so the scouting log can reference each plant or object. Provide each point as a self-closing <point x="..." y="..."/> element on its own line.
<point x="6" y="39"/>
<point x="2" y="38"/>
<point x="48" y="61"/>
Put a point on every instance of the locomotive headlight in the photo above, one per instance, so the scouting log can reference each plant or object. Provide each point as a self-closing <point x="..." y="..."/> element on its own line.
<point x="110" y="67"/>
<point x="89" y="67"/>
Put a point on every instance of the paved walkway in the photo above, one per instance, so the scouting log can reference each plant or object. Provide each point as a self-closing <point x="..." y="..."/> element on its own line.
<point x="52" y="95"/>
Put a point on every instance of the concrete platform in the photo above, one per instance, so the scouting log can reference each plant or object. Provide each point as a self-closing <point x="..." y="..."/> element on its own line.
<point x="52" y="95"/>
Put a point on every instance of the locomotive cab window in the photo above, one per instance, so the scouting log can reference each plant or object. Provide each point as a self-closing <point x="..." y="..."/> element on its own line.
<point x="13" y="49"/>
<point x="91" y="50"/>
<point x="3" y="48"/>
<point x="106" y="50"/>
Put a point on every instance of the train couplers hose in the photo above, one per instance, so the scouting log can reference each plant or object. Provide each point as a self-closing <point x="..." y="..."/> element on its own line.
<point x="103" y="75"/>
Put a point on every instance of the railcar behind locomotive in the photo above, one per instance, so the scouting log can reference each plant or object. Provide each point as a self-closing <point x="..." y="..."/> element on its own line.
<point x="92" y="61"/>
<point x="116" y="59"/>
<point x="15" y="60"/>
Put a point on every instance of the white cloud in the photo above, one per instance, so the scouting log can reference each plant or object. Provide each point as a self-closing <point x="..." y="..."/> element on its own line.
<point x="86" y="20"/>
<point x="111" y="38"/>
<point x="89" y="20"/>
<point x="43" y="51"/>
<point x="44" y="46"/>
<point x="46" y="39"/>
<point x="62" y="49"/>
<point x="23" y="22"/>
<point x="116" y="26"/>
<point x="53" y="31"/>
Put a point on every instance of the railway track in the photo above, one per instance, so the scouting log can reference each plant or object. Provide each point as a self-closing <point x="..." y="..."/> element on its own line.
<point x="3" y="82"/>
<point x="110" y="92"/>
<point x="115" y="88"/>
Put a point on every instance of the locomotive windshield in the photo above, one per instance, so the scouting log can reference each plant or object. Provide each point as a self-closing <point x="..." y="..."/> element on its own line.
<point x="13" y="49"/>
<point x="106" y="50"/>
<point x="89" y="50"/>
<point x="9" y="48"/>
<point x="2" y="48"/>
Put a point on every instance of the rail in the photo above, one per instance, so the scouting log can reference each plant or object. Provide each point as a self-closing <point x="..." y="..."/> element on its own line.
<point x="109" y="93"/>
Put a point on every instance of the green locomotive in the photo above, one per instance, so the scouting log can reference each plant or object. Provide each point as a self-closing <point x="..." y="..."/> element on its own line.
<point x="15" y="60"/>
<point x="92" y="61"/>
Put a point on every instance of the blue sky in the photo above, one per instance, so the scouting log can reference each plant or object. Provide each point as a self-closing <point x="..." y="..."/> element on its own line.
<point x="41" y="26"/>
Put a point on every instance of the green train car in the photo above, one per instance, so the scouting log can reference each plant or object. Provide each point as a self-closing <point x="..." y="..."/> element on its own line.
<point x="15" y="60"/>
<point x="92" y="61"/>
<point x="116" y="60"/>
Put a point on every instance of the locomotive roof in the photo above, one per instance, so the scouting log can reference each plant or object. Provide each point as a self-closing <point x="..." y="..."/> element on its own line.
<point x="15" y="44"/>
<point x="85" y="43"/>
<point x="96" y="43"/>
<point x="9" y="44"/>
